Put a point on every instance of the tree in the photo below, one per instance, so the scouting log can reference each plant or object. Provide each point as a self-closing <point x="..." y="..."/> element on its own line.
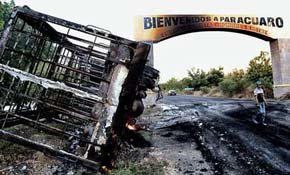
<point x="260" y="68"/>
<point x="5" y="10"/>
<point x="173" y="83"/>
<point x="237" y="74"/>
<point x="186" y="82"/>
<point x="198" y="78"/>
<point x="228" y="86"/>
<point x="215" y="76"/>
<point x="234" y="82"/>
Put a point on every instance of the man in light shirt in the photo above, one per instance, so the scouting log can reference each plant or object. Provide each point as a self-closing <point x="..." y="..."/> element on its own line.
<point x="260" y="102"/>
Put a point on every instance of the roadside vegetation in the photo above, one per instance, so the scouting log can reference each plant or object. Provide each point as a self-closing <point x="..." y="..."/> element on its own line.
<point x="238" y="83"/>
<point x="150" y="167"/>
<point x="5" y="10"/>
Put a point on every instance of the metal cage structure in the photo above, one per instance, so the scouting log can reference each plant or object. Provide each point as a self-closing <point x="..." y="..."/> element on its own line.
<point x="65" y="79"/>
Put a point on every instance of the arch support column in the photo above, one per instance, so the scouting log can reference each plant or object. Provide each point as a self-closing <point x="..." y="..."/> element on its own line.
<point x="280" y="53"/>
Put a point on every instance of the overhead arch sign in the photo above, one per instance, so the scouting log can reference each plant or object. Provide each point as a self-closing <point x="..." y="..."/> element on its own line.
<point x="160" y="27"/>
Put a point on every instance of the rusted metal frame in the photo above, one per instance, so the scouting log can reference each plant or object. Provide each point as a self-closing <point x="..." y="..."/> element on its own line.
<point x="76" y="85"/>
<point x="17" y="37"/>
<point x="20" y="31"/>
<point x="38" y="52"/>
<point x="88" y="42"/>
<point x="10" y="122"/>
<point x="50" y="128"/>
<point x="63" y="56"/>
<point x="47" y="149"/>
<point x="43" y="65"/>
<point x="7" y="95"/>
<point x="30" y="33"/>
<point x="29" y="89"/>
<point x="70" y="48"/>
<point x="10" y="88"/>
<point x="71" y="105"/>
<point x="130" y="45"/>
<point x="75" y="26"/>
<point x="79" y="116"/>
<point x="85" y="51"/>
<point x="83" y="104"/>
<point x="36" y="94"/>
<point x="52" y="67"/>
<point x="100" y="65"/>
<point x="27" y="33"/>
<point x="70" y="63"/>
<point x="57" y="34"/>
<point x="50" y="83"/>
<point x="58" y="101"/>
<point x="39" y="91"/>
<point x="3" y="103"/>
<point x="34" y="63"/>
<point x="96" y="71"/>
<point x="14" y="96"/>
<point x="68" y="36"/>
<point x="76" y="115"/>
<point x="89" y="57"/>
<point x="74" y="70"/>
<point x="65" y="122"/>
<point x="73" y="109"/>
<point x="49" y="68"/>
<point x="59" y="21"/>
<point x="81" y="107"/>
<point x="35" y="99"/>
<point x="16" y="92"/>
<point x="34" y="50"/>
<point x="57" y="64"/>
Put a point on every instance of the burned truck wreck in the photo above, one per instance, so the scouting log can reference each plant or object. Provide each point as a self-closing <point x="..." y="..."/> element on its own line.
<point x="80" y="83"/>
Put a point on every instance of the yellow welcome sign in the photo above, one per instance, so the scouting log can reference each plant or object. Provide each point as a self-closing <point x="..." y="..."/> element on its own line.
<point x="160" y="27"/>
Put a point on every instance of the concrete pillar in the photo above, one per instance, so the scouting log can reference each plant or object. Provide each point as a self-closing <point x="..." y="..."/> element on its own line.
<point x="280" y="53"/>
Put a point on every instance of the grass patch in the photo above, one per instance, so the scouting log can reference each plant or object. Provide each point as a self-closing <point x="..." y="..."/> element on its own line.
<point x="149" y="167"/>
<point x="10" y="147"/>
<point x="147" y="135"/>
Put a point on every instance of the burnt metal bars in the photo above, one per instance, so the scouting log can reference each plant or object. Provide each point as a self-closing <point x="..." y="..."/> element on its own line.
<point x="63" y="78"/>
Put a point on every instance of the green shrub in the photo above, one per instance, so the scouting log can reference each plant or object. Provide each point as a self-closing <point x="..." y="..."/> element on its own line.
<point x="215" y="76"/>
<point x="242" y="85"/>
<point x="151" y="167"/>
<point x="228" y="86"/>
<point x="204" y="89"/>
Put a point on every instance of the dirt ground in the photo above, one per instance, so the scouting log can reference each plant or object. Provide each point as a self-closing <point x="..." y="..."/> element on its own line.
<point x="217" y="136"/>
<point x="19" y="160"/>
<point x="188" y="135"/>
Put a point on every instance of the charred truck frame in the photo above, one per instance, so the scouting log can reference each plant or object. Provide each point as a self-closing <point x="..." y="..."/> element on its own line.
<point x="76" y="82"/>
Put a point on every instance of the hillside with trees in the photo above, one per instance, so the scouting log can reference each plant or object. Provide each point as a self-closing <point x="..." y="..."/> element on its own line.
<point x="238" y="82"/>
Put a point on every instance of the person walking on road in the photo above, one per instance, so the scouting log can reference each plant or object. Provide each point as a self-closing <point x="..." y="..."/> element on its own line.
<point x="260" y="102"/>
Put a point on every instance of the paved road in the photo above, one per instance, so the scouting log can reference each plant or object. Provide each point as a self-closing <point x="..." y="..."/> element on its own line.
<point x="216" y="136"/>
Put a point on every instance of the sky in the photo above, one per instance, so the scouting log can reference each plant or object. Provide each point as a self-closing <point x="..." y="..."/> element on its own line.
<point x="173" y="57"/>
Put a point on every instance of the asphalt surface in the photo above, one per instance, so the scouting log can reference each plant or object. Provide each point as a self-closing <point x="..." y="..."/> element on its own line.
<point x="198" y="135"/>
